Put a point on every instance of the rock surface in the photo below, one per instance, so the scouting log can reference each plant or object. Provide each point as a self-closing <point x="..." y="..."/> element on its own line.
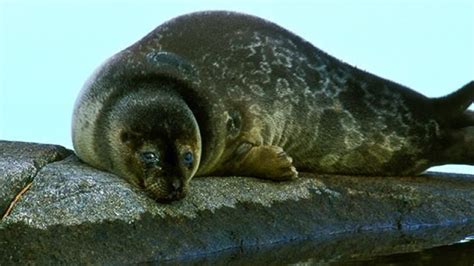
<point x="19" y="163"/>
<point x="74" y="213"/>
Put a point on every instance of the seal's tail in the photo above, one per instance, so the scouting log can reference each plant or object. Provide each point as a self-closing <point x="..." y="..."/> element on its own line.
<point x="458" y="123"/>
<point x="452" y="109"/>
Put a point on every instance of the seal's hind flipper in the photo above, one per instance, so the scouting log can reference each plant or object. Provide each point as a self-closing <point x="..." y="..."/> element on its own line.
<point x="452" y="109"/>
<point x="467" y="119"/>
<point x="458" y="125"/>
<point x="460" y="149"/>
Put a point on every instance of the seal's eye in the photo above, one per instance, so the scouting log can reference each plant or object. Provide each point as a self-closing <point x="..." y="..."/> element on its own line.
<point x="149" y="158"/>
<point x="188" y="159"/>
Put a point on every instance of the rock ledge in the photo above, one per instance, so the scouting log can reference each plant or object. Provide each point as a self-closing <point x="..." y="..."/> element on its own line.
<point x="73" y="213"/>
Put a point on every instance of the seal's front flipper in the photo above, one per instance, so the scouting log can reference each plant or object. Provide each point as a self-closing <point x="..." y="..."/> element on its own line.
<point x="264" y="161"/>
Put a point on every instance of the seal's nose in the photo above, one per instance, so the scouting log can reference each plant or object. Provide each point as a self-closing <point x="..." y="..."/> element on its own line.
<point x="177" y="185"/>
<point x="176" y="190"/>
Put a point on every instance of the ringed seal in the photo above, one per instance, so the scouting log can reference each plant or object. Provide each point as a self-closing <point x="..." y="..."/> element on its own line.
<point x="222" y="93"/>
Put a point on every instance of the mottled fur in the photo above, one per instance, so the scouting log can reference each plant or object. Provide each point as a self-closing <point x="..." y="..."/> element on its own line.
<point x="266" y="103"/>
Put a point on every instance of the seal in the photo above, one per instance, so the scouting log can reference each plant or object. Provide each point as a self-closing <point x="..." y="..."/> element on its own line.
<point x="223" y="93"/>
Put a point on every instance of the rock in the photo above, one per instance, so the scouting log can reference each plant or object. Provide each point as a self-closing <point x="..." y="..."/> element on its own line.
<point x="19" y="163"/>
<point x="73" y="213"/>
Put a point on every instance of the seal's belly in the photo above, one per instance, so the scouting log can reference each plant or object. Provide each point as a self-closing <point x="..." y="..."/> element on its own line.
<point x="333" y="146"/>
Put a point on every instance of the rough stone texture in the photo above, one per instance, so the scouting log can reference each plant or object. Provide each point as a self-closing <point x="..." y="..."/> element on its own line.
<point x="73" y="213"/>
<point x="19" y="163"/>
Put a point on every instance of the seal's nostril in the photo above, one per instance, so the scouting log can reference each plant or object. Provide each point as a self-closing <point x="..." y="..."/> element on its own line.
<point x="177" y="185"/>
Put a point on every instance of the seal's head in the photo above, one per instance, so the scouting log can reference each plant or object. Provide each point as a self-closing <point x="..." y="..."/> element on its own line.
<point x="130" y="119"/>
<point x="157" y="143"/>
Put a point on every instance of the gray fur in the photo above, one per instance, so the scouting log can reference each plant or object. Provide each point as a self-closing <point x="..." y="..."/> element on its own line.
<point x="243" y="76"/>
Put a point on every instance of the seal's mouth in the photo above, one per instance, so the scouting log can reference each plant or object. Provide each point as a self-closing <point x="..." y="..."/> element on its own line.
<point x="166" y="191"/>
